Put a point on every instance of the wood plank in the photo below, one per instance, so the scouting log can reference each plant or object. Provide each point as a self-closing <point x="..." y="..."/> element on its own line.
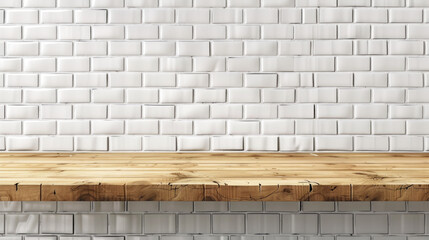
<point x="390" y="193"/>
<point x="164" y="192"/>
<point x="330" y="193"/>
<point x="19" y="192"/>
<point x="83" y="193"/>
<point x="237" y="169"/>
<point x="256" y="193"/>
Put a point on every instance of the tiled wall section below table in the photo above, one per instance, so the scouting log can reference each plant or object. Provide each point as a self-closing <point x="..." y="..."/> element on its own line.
<point x="214" y="220"/>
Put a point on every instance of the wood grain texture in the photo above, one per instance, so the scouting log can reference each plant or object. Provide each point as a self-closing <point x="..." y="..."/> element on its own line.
<point x="238" y="169"/>
<point x="165" y="192"/>
<point x="20" y="192"/>
<point x="390" y="193"/>
<point x="83" y="193"/>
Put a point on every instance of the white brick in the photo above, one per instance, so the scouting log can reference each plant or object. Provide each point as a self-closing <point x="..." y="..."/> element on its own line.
<point x="296" y="143"/>
<point x="336" y="15"/>
<point x="274" y="31"/>
<point x="108" y="32"/>
<point x="125" y="143"/>
<point x="399" y="47"/>
<point x="90" y="48"/>
<point x="108" y="95"/>
<point x="260" y="111"/>
<point x="10" y="32"/>
<point x="418" y="64"/>
<point x="124" y="16"/>
<point x="10" y="95"/>
<point x="243" y="127"/>
<point x="210" y="127"/>
<point x="174" y="32"/>
<point x="142" y="95"/>
<point x="228" y="48"/>
<point x="124" y="48"/>
<point x="370" y="111"/>
<point x="107" y="64"/>
<point x="194" y="111"/>
<point x="56" y="144"/>
<point x="22" y="49"/>
<point x="40" y="96"/>
<point x="352" y="31"/>
<point x="90" y="16"/>
<point x="193" y="48"/>
<point x="227" y="15"/>
<point x="22" y="80"/>
<point x="74" y="32"/>
<point x="139" y="64"/>
<point x="417" y="3"/>
<point x="226" y="79"/>
<point x="333" y="79"/>
<point x="159" y="48"/>
<point x="290" y="15"/>
<point x="242" y="64"/>
<point x="227" y="143"/>
<point x="261" y="15"/>
<point x="176" y="95"/>
<point x="90" y="79"/>
<point x="388" y="63"/>
<point x="10" y="64"/>
<point x="294" y="48"/>
<point x="90" y="111"/>
<point x="103" y="127"/>
<point x="388" y="31"/>
<point x="334" y="111"/>
<point x="296" y="111"/>
<point x="417" y="127"/>
<point x="125" y="79"/>
<point x="389" y="95"/>
<point x="39" y="32"/>
<point x="56" y="49"/>
<point x="158" y="112"/>
<point x="135" y="32"/>
<point x="142" y="127"/>
<point x="392" y="3"/>
<point x="10" y="128"/>
<point x="406" y="143"/>
<point x="316" y="127"/>
<point x="366" y="79"/>
<point x="141" y="3"/>
<point x="406" y="111"/>
<point x="90" y="143"/>
<point x="226" y="111"/>
<point x="388" y="127"/>
<point x="337" y="47"/>
<point x="244" y="95"/>
<point x="210" y="95"/>
<point x="158" y="15"/>
<point x="243" y="3"/>
<point x="10" y="3"/>
<point x="354" y="95"/>
<point x="406" y="79"/>
<point x="209" y="32"/>
<point x="75" y="64"/>
<point x="159" y="143"/>
<point x="175" y="3"/>
<point x="193" y="144"/>
<point x="56" y="111"/>
<point x="39" y="65"/>
<point x="261" y="143"/>
<point x="192" y="80"/>
<point x="371" y="143"/>
<point x="38" y="4"/>
<point x="316" y="95"/>
<point x="406" y="15"/>
<point x="278" y="95"/>
<point x="74" y="95"/>
<point x="22" y="16"/>
<point x="209" y="64"/>
<point x="74" y="127"/>
<point x="277" y="127"/>
<point x="22" y="112"/>
<point x="370" y="15"/>
<point x="369" y="47"/>
<point x="353" y="64"/>
<point x="125" y="111"/>
<point x="244" y="32"/>
<point x="107" y="3"/>
<point x="39" y="127"/>
<point x="354" y="127"/>
<point x="209" y="3"/>
<point x="176" y="64"/>
<point x="330" y="143"/>
<point x="56" y="16"/>
<point x="22" y="144"/>
<point x="73" y="3"/>
<point x="193" y="16"/>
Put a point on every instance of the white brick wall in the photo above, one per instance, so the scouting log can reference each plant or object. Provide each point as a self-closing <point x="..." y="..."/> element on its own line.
<point x="214" y="75"/>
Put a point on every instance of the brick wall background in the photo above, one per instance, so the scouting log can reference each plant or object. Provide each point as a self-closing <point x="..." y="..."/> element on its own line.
<point x="214" y="220"/>
<point x="214" y="75"/>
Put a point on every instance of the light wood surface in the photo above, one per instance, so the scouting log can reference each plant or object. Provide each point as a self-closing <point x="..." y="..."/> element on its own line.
<point x="238" y="169"/>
